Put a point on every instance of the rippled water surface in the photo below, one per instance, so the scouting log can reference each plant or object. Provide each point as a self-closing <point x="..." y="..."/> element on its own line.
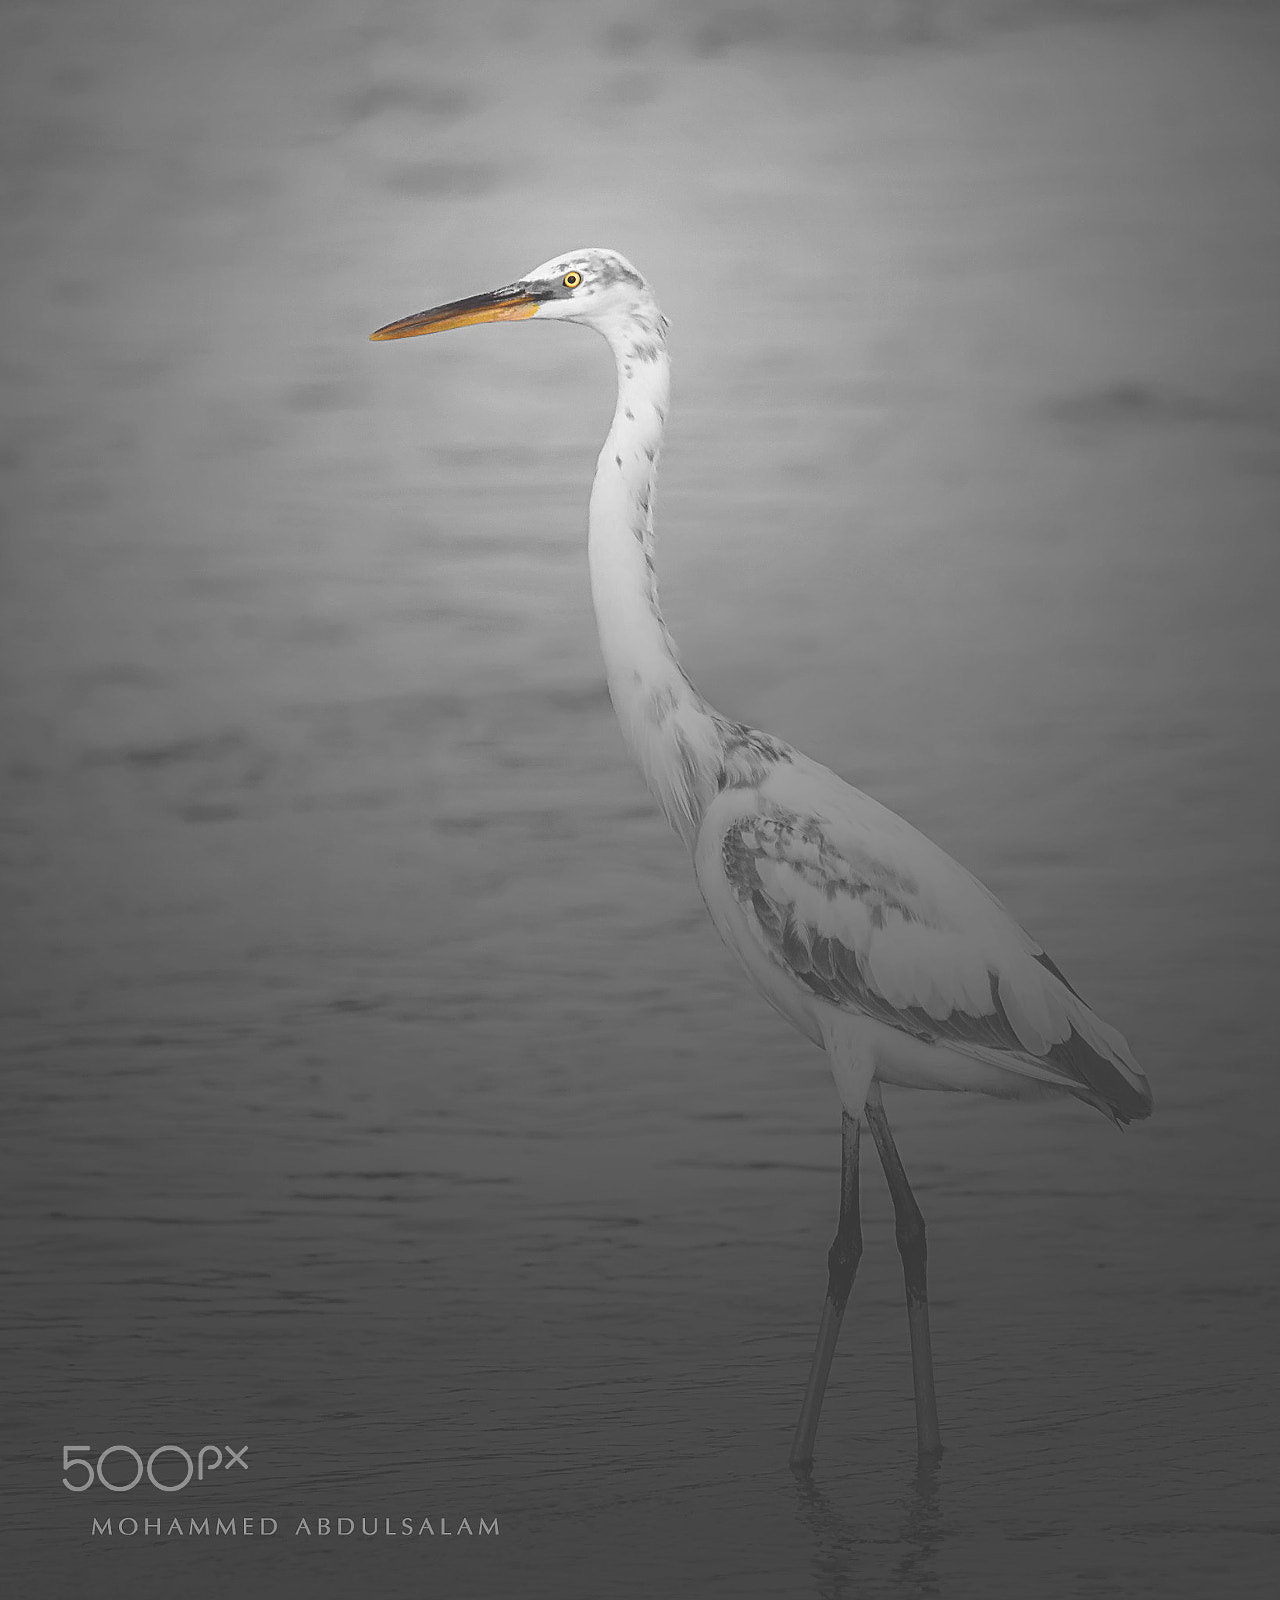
<point x="378" y="1094"/>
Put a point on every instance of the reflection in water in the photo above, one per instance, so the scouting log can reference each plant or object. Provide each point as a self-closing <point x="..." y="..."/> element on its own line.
<point x="923" y="1530"/>
<point x="840" y="1542"/>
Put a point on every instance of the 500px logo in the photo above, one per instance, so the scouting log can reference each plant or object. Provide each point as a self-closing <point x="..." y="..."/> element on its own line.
<point x="209" y="1456"/>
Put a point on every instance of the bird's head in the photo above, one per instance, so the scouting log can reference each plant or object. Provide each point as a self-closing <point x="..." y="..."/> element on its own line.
<point x="598" y="287"/>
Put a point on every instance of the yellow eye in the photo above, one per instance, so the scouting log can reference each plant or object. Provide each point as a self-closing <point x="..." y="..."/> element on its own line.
<point x="572" y="280"/>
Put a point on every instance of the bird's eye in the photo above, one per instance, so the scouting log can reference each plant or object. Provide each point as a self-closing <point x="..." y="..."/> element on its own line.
<point x="572" y="280"/>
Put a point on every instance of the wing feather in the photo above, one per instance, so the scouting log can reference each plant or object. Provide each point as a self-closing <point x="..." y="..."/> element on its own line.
<point x="872" y="917"/>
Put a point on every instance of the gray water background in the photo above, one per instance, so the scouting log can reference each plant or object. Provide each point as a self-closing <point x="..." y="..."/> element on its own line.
<point x="377" y="1092"/>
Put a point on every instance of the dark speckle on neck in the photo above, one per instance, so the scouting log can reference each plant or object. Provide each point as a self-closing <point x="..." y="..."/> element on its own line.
<point x="749" y="755"/>
<point x="660" y="704"/>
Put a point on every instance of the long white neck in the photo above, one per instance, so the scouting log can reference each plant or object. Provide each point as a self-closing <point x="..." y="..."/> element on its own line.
<point x="672" y="731"/>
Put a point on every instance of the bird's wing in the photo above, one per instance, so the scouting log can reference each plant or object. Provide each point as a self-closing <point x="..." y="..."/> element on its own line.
<point x="872" y="917"/>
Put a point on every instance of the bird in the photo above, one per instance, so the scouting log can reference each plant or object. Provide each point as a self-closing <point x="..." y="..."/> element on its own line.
<point x="864" y="934"/>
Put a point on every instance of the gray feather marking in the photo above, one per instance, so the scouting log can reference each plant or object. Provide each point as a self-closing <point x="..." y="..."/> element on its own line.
<point x="830" y="970"/>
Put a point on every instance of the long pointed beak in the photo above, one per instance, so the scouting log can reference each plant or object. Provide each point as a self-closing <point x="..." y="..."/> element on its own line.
<point x="511" y="304"/>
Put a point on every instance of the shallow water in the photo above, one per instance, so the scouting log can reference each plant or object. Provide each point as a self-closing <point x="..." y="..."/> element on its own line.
<point x="379" y="1095"/>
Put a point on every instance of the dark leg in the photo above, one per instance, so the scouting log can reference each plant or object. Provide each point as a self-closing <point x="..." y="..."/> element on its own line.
<point x="842" y="1264"/>
<point x="911" y="1247"/>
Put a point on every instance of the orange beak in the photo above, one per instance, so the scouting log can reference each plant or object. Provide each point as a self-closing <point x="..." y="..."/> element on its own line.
<point x="512" y="304"/>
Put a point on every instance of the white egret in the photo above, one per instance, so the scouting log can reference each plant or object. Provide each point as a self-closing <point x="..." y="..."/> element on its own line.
<point x="866" y="936"/>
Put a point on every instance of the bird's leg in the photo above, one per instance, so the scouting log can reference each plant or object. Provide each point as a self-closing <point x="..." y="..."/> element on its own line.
<point x="842" y="1264"/>
<point x="911" y="1246"/>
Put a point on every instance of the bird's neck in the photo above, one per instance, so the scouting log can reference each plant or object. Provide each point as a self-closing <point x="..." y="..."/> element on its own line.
<point x="670" y="728"/>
